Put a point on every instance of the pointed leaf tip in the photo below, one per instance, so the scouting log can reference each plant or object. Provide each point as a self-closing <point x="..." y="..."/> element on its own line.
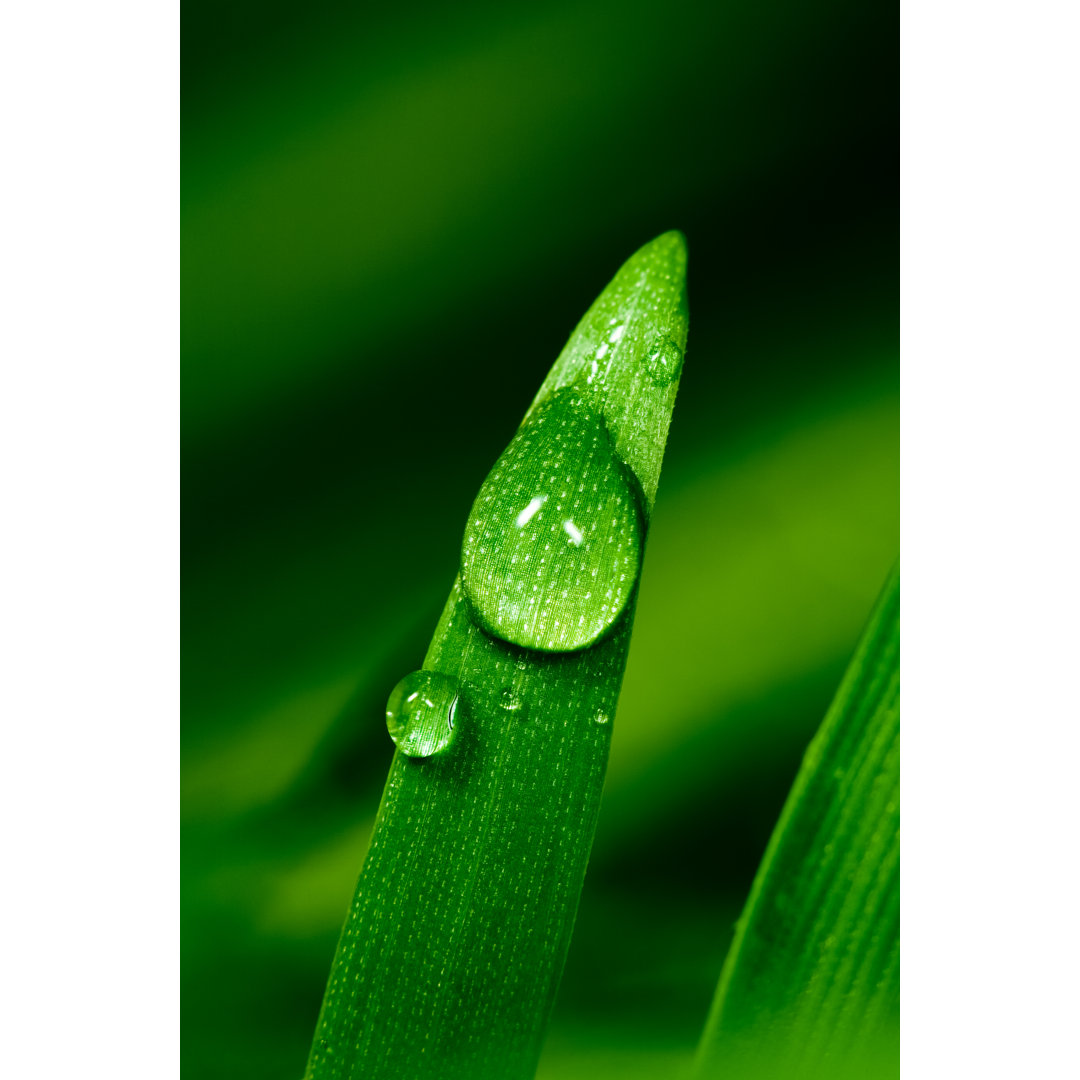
<point x="626" y="354"/>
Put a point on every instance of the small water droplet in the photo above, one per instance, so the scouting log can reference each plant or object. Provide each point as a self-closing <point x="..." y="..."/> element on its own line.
<point x="421" y="713"/>
<point x="552" y="548"/>
<point x="663" y="359"/>
<point x="512" y="701"/>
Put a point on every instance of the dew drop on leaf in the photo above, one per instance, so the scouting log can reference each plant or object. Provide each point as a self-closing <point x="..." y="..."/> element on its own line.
<point x="552" y="548"/>
<point x="421" y="713"/>
<point x="512" y="701"/>
<point x="663" y="359"/>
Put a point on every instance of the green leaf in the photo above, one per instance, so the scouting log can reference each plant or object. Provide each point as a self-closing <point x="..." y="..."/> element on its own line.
<point x="811" y="984"/>
<point x="453" y="946"/>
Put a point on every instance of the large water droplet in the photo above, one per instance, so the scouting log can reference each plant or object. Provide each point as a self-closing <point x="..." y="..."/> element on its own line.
<point x="553" y="544"/>
<point x="421" y="713"/>
<point x="663" y="358"/>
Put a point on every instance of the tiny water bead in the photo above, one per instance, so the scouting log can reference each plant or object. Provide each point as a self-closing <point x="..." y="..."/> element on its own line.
<point x="552" y="548"/>
<point x="512" y="701"/>
<point x="663" y="358"/>
<point x="421" y="713"/>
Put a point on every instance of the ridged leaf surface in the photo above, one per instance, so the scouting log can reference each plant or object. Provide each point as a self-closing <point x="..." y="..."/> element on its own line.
<point x="811" y="984"/>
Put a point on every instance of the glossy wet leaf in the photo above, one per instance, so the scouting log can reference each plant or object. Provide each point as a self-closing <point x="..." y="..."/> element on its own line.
<point x="453" y="947"/>
<point x="811" y="984"/>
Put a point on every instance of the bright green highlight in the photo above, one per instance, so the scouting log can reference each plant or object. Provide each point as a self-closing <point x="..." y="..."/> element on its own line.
<point x="456" y="938"/>
<point x="421" y="714"/>
<point x="553" y="544"/>
<point x="811" y="984"/>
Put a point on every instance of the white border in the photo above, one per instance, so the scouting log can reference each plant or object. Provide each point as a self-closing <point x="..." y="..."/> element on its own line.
<point x="89" y="476"/>
<point x="990" y="234"/>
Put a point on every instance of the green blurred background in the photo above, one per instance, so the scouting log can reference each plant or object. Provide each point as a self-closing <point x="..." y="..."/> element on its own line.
<point x="393" y="217"/>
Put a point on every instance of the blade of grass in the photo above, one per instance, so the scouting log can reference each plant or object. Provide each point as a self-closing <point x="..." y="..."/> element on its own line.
<point x="810" y="986"/>
<point x="452" y="949"/>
